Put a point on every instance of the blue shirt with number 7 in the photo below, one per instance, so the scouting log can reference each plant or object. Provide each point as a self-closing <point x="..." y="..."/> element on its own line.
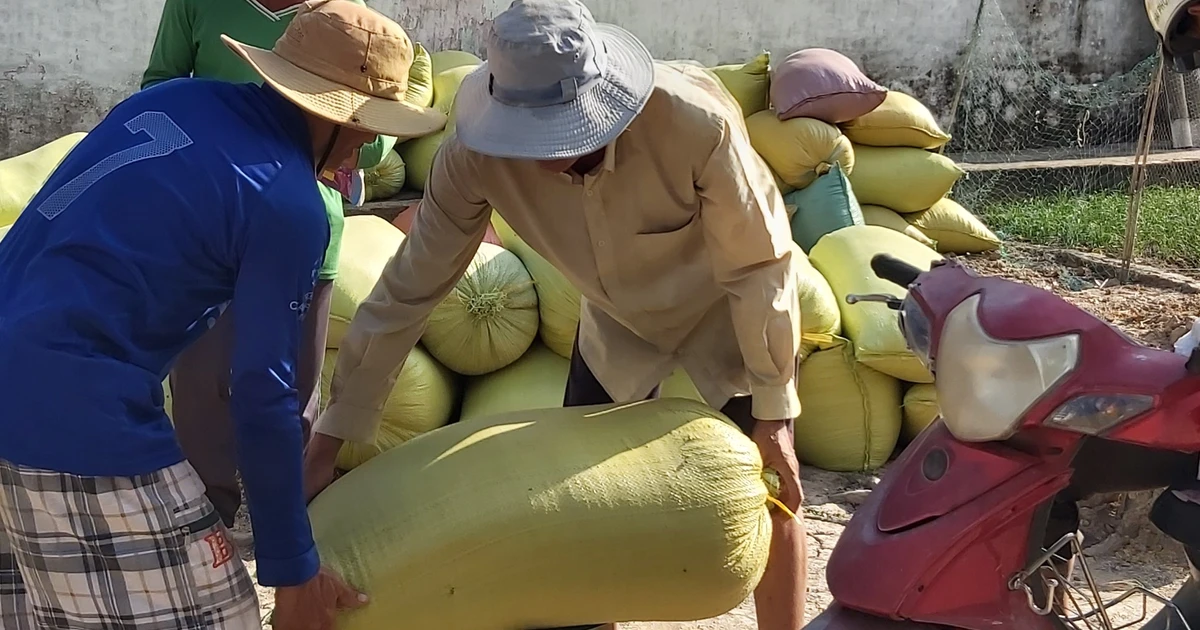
<point x="185" y="197"/>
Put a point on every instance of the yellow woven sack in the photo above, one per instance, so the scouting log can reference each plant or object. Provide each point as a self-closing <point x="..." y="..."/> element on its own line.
<point x="888" y="218"/>
<point x="538" y="380"/>
<point x="799" y="149"/>
<point x="900" y="178"/>
<point x="784" y="189"/>
<point x="652" y="511"/>
<point x="900" y="121"/>
<point x="920" y="409"/>
<point x="749" y="82"/>
<point x="844" y="258"/>
<point x="421" y="401"/>
<point x="368" y="243"/>
<point x="385" y="179"/>
<point x="168" y="399"/>
<point x="680" y="385"/>
<point x="820" y="317"/>
<point x="418" y="153"/>
<point x="558" y="299"/>
<point x="22" y="176"/>
<point x="420" y="78"/>
<point x="489" y="319"/>
<point x="444" y="60"/>
<point x="955" y="228"/>
<point x="850" y="414"/>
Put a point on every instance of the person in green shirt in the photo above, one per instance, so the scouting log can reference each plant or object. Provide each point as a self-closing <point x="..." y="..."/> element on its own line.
<point x="189" y="44"/>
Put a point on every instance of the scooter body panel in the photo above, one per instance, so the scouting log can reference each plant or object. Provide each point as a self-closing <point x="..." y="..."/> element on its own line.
<point x="945" y="569"/>
<point x="941" y="538"/>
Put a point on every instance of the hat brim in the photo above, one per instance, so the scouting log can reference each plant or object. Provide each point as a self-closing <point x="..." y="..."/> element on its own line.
<point x="338" y="103"/>
<point x="588" y="123"/>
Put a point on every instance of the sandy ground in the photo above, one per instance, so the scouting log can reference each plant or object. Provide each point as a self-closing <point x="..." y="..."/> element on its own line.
<point x="1121" y="545"/>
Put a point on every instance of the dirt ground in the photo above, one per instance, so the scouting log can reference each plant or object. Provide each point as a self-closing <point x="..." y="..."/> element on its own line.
<point x="1120" y="544"/>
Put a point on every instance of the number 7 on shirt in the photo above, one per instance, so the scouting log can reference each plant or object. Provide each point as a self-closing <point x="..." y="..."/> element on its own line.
<point x="165" y="138"/>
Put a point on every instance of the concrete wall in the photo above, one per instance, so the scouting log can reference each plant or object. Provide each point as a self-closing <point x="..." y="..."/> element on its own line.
<point x="63" y="63"/>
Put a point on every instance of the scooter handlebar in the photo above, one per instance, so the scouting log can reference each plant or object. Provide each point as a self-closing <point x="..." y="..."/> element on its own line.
<point x="894" y="270"/>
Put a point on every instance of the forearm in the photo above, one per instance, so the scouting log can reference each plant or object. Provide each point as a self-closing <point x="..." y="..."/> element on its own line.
<point x="269" y="455"/>
<point x="766" y="315"/>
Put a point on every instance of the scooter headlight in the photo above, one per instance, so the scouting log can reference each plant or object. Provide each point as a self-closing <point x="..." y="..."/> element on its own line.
<point x="1095" y="413"/>
<point x="985" y="385"/>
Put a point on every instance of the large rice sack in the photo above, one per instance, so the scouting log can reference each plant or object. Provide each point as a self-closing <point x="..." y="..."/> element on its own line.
<point x="892" y="220"/>
<point x="844" y="258"/>
<point x="901" y="121"/>
<point x="420" y="78"/>
<point x="558" y="299"/>
<point x="538" y="380"/>
<point x="168" y="399"/>
<point x="489" y="319"/>
<point x="368" y="243"/>
<point x="825" y="206"/>
<point x="444" y="60"/>
<point x="800" y="149"/>
<point x="422" y="400"/>
<point x="820" y="317"/>
<point x="558" y="517"/>
<point x="823" y="84"/>
<point x="955" y="228"/>
<point x="900" y="178"/>
<point x="418" y="153"/>
<point x="385" y="179"/>
<point x="680" y="385"/>
<point x="920" y="409"/>
<point x="850" y="413"/>
<point x="21" y="176"/>
<point x="748" y="82"/>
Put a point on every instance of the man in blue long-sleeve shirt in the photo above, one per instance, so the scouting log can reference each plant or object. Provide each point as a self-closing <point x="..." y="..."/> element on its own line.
<point x="185" y="197"/>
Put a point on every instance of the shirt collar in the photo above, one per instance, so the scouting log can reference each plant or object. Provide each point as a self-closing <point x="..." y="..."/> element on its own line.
<point x="610" y="156"/>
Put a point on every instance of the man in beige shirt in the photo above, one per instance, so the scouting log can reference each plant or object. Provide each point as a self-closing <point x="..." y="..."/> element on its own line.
<point x="639" y="183"/>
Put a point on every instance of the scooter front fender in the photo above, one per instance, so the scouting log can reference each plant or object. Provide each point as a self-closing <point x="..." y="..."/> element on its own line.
<point x="838" y="618"/>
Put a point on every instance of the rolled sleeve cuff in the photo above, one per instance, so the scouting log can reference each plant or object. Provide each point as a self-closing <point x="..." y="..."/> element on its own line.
<point x="348" y="423"/>
<point x="775" y="402"/>
<point x="289" y="571"/>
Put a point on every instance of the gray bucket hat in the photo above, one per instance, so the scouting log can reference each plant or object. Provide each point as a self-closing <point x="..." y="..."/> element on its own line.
<point x="555" y="84"/>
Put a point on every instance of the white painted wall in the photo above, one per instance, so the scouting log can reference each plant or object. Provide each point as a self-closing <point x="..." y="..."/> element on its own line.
<point x="63" y="63"/>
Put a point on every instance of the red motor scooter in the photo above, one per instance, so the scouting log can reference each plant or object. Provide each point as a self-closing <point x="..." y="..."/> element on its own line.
<point x="975" y="525"/>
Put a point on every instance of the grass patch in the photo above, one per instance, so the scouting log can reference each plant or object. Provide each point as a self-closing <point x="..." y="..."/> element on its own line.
<point x="1168" y="223"/>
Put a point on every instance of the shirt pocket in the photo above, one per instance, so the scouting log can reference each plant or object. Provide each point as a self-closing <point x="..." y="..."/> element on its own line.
<point x="667" y="267"/>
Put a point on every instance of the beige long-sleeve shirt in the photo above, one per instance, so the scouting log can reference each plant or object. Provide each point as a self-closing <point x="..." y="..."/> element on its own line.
<point x="678" y="242"/>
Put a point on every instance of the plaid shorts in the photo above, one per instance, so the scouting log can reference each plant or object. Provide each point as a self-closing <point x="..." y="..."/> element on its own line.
<point x="128" y="553"/>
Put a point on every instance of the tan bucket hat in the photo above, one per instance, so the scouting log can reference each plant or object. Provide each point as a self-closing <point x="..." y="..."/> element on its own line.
<point x="347" y="64"/>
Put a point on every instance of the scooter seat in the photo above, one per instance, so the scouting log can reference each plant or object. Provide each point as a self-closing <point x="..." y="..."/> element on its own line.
<point x="1177" y="517"/>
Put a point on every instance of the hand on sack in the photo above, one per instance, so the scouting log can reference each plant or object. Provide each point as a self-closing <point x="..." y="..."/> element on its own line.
<point x="320" y="461"/>
<point x="314" y="605"/>
<point x="776" y="442"/>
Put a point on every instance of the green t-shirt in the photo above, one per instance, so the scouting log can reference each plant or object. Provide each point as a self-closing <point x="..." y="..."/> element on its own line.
<point x="189" y="44"/>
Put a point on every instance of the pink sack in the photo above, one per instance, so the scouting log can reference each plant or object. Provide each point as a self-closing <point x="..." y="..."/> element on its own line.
<point x="823" y="84"/>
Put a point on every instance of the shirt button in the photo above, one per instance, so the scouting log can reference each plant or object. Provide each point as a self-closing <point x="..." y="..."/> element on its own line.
<point x="601" y="243"/>
<point x="589" y="193"/>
